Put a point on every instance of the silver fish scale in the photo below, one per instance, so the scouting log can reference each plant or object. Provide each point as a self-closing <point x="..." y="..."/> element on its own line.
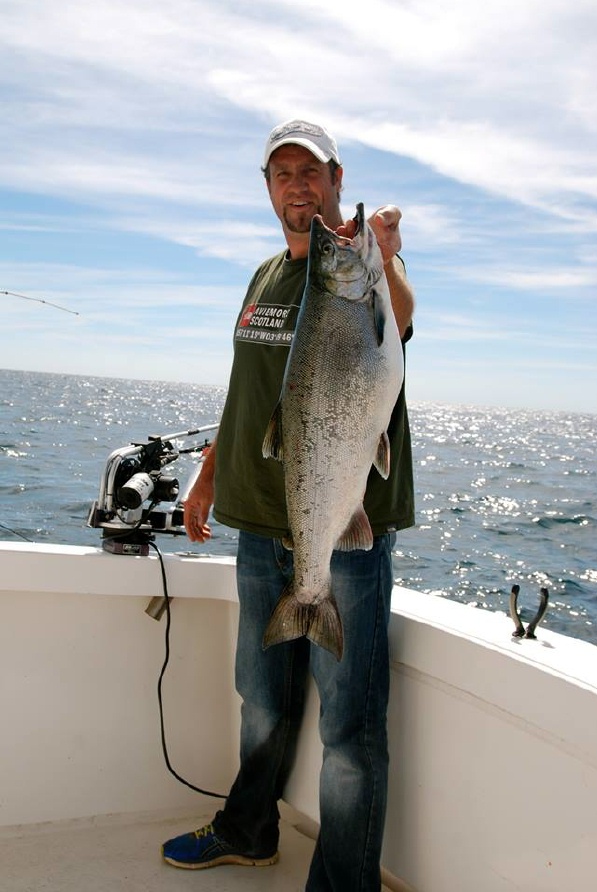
<point x="338" y="396"/>
<point x="342" y="379"/>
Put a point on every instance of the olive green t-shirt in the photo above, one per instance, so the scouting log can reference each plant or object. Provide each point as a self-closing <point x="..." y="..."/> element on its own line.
<point x="249" y="489"/>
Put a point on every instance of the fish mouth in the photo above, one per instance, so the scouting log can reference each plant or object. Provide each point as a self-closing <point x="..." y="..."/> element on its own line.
<point x="357" y="225"/>
<point x="344" y="261"/>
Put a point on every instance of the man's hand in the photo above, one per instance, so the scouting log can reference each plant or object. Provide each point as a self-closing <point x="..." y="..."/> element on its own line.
<point x="195" y="517"/>
<point x="199" y="501"/>
<point x="385" y="224"/>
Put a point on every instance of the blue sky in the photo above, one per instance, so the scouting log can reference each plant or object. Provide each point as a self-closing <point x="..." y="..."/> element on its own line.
<point x="131" y="191"/>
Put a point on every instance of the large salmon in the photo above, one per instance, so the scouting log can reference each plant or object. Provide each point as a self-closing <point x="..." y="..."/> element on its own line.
<point x="343" y="376"/>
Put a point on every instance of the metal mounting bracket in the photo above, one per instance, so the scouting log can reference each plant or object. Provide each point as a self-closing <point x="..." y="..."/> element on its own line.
<point x="529" y="632"/>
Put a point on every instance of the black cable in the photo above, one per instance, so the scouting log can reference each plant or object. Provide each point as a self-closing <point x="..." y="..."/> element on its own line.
<point x="165" y="664"/>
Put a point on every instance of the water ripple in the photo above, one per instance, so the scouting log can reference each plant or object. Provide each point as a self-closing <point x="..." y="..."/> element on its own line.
<point x="502" y="496"/>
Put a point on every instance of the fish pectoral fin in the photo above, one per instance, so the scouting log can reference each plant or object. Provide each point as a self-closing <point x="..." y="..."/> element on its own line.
<point x="325" y="627"/>
<point x="289" y="619"/>
<point x="272" y="442"/>
<point x="382" y="456"/>
<point x="379" y="316"/>
<point x="358" y="533"/>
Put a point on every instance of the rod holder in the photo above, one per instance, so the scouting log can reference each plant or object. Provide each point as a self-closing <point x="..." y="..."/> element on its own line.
<point x="155" y="608"/>
<point x="529" y="632"/>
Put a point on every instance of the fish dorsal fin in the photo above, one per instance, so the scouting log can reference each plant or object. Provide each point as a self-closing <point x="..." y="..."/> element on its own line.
<point x="379" y="316"/>
<point x="272" y="442"/>
<point x="382" y="456"/>
<point x="358" y="533"/>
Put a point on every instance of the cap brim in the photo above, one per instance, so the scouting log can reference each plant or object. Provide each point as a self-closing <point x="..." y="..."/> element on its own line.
<point x="297" y="141"/>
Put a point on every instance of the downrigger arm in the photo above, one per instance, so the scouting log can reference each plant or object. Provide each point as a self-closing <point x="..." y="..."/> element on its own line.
<point x="134" y="485"/>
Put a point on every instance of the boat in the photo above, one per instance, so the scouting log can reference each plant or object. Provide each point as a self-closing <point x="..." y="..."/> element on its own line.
<point x="493" y="735"/>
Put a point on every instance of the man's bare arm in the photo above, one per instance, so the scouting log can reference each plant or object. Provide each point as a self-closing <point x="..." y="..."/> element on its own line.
<point x="385" y="223"/>
<point x="200" y="499"/>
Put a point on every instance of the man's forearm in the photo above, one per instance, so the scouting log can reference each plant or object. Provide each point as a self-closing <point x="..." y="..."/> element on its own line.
<point x="401" y="295"/>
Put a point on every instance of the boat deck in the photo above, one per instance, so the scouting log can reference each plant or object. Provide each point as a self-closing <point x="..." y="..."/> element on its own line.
<point x="120" y="854"/>
<point x="116" y="855"/>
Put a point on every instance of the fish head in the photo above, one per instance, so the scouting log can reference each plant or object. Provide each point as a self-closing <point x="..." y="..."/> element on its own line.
<point x="344" y="267"/>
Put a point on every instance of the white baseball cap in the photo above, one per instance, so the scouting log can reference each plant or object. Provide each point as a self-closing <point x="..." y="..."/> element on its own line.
<point x="301" y="133"/>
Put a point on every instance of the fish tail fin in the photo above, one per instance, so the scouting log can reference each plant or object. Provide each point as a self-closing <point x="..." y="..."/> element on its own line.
<point x="291" y="619"/>
<point x="325" y="627"/>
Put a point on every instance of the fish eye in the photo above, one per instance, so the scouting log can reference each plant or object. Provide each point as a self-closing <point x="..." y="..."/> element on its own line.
<point x="327" y="248"/>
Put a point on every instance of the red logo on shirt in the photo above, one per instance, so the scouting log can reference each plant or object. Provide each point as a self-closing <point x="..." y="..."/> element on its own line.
<point x="247" y="315"/>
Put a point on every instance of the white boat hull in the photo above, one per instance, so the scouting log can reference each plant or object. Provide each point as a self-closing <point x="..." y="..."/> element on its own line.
<point x="493" y="741"/>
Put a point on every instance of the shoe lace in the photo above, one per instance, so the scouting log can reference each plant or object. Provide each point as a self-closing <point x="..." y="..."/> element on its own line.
<point x="204" y="831"/>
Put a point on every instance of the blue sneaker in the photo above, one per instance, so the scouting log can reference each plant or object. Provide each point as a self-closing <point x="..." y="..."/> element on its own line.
<point x="203" y="848"/>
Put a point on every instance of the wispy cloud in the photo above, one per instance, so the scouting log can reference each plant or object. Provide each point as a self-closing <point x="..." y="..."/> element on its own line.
<point x="561" y="279"/>
<point x="133" y="139"/>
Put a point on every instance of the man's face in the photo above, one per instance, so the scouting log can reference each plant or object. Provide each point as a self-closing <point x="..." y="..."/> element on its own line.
<point x="300" y="186"/>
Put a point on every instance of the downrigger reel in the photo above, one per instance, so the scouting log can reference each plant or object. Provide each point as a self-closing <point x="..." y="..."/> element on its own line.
<point x="134" y="485"/>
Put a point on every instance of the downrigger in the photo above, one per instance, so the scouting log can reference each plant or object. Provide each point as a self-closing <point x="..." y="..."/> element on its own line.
<point x="133" y="486"/>
<point x="129" y="511"/>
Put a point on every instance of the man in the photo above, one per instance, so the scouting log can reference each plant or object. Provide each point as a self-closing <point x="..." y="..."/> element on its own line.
<point x="304" y="177"/>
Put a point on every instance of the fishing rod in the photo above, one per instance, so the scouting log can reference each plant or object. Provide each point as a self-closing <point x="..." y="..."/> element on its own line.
<point x="40" y="300"/>
<point x="14" y="532"/>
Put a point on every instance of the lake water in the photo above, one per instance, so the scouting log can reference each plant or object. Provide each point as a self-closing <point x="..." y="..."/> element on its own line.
<point x="503" y="496"/>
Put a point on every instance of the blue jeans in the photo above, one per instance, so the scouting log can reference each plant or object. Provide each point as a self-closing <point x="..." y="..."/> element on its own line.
<point x="354" y="697"/>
